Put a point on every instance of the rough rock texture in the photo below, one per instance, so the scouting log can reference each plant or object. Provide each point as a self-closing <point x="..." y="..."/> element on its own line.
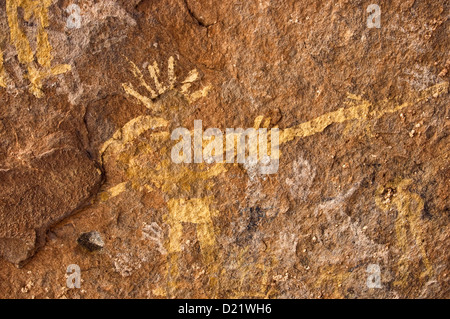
<point x="85" y="121"/>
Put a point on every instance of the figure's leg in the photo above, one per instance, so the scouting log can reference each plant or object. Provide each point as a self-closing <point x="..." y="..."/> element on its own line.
<point x="402" y="241"/>
<point x="2" y="71"/>
<point x="414" y="222"/>
<point x="174" y="249"/>
<point x="195" y="211"/>
<point x="206" y="237"/>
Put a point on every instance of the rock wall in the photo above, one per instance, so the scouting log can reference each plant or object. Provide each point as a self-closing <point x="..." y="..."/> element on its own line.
<point x="92" y="91"/>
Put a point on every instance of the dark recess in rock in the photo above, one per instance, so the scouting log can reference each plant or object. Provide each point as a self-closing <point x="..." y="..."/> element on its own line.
<point x="92" y="241"/>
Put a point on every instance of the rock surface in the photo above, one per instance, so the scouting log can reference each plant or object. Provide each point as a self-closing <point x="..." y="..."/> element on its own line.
<point x="89" y="96"/>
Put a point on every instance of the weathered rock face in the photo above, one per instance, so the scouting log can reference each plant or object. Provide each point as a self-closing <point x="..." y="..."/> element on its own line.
<point x="89" y="98"/>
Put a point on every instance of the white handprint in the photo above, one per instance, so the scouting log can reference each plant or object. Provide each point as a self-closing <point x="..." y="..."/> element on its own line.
<point x="154" y="233"/>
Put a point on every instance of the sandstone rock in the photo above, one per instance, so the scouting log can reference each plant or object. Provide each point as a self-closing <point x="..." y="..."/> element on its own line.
<point x="86" y="115"/>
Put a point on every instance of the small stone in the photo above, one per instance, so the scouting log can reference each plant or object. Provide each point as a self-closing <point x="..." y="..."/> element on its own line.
<point x="92" y="241"/>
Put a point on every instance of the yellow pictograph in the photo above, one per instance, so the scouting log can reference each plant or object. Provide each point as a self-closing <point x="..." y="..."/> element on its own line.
<point x="128" y="148"/>
<point x="2" y="71"/>
<point x="395" y="195"/>
<point x="247" y="286"/>
<point x="198" y="212"/>
<point x="360" y="110"/>
<point x="39" y="63"/>
<point x="165" y="175"/>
